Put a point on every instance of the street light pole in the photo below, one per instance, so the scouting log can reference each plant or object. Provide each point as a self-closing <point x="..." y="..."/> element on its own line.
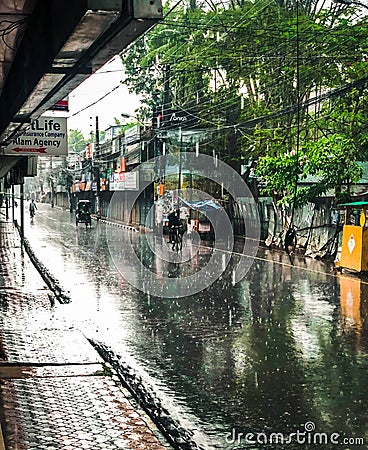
<point x="127" y="116"/>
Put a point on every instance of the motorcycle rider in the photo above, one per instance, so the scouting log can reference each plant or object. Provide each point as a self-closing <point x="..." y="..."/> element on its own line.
<point x="174" y="222"/>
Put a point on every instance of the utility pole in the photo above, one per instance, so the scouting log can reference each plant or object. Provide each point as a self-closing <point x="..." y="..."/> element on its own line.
<point x="96" y="169"/>
<point x="22" y="210"/>
<point x="6" y="204"/>
<point x="97" y="135"/>
<point x="179" y="174"/>
<point x="51" y="183"/>
<point x="13" y="202"/>
<point x="166" y="104"/>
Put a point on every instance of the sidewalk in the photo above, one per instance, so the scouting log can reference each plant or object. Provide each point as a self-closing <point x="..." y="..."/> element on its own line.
<point x="55" y="390"/>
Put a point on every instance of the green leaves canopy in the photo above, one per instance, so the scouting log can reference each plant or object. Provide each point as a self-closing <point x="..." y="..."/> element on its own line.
<point x="329" y="163"/>
<point x="265" y="78"/>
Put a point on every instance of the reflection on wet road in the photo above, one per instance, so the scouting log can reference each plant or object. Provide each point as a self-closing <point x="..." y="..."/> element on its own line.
<point x="283" y="351"/>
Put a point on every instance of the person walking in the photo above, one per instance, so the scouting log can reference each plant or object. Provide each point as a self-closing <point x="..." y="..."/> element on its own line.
<point x="32" y="208"/>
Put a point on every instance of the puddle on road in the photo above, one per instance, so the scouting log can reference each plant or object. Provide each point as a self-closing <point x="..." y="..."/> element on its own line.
<point x="285" y="347"/>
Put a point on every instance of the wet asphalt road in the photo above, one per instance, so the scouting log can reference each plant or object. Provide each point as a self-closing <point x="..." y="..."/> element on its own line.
<point x="283" y="351"/>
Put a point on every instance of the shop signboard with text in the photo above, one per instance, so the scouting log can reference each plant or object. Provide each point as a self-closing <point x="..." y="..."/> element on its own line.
<point x="124" y="181"/>
<point x="46" y="136"/>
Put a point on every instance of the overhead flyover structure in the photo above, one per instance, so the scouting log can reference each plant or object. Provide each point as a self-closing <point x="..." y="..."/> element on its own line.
<point x="48" y="47"/>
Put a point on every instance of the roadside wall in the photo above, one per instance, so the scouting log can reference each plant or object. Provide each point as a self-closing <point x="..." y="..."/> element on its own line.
<point x="318" y="226"/>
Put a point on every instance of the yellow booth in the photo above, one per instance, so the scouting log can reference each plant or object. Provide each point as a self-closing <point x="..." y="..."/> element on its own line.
<point x="354" y="250"/>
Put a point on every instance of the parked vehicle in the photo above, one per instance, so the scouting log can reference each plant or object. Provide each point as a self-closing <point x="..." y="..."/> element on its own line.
<point x="83" y="213"/>
<point x="194" y="217"/>
<point x="198" y="219"/>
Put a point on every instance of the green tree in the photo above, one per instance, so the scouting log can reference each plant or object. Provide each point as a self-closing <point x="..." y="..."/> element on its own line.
<point x="265" y="79"/>
<point x="332" y="162"/>
<point x="76" y="141"/>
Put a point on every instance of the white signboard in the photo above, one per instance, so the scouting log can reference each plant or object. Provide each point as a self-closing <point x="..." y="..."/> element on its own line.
<point x="132" y="134"/>
<point x="47" y="136"/>
<point x="124" y="181"/>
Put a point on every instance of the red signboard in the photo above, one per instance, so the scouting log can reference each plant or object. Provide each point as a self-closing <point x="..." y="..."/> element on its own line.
<point x="89" y="150"/>
<point x="61" y="105"/>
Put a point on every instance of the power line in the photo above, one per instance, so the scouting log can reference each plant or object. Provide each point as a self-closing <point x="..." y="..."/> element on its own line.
<point x="98" y="100"/>
<point x="212" y="68"/>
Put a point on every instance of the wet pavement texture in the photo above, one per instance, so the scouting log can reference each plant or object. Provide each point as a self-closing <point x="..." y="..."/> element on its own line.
<point x="55" y="390"/>
<point x="283" y="351"/>
<point x="72" y="413"/>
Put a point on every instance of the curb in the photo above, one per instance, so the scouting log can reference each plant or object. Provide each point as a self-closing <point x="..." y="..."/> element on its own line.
<point x="116" y="224"/>
<point x="171" y="429"/>
<point x="48" y="278"/>
<point x="53" y="284"/>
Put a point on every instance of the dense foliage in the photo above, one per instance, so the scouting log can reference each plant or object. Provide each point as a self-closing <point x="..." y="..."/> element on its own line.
<point x="273" y="83"/>
<point x="319" y="166"/>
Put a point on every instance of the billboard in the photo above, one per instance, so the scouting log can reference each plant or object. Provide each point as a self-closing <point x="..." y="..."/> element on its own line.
<point x="47" y="136"/>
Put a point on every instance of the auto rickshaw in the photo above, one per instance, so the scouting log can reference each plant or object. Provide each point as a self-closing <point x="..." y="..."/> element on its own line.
<point x="83" y="213"/>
